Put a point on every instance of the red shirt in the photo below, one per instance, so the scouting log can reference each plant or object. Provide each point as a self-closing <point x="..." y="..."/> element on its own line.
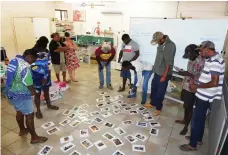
<point x="105" y="56"/>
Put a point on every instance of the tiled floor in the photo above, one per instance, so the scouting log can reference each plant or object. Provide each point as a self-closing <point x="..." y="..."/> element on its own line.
<point x="86" y="91"/>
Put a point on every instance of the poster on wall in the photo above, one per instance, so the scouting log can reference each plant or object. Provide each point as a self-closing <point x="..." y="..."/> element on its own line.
<point x="79" y="15"/>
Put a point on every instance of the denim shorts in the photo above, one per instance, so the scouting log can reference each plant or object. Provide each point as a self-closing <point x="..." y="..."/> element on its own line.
<point x="24" y="106"/>
<point x="125" y="73"/>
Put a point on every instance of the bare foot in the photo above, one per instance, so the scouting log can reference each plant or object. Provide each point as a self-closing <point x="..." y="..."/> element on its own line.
<point x="23" y="132"/>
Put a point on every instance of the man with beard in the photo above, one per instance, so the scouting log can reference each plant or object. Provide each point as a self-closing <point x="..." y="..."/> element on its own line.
<point x="104" y="55"/>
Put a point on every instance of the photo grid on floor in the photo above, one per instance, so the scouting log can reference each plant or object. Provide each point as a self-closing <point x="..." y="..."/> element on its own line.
<point x="107" y="106"/>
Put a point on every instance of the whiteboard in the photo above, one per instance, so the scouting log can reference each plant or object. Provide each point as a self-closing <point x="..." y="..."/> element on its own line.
<point x="181" y="32"/>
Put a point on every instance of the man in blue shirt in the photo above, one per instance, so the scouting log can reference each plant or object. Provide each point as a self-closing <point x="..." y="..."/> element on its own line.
<point x="19" y="91"/>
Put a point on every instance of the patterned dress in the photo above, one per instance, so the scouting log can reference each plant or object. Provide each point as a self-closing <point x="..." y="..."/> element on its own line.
<point x="71" y="57"/>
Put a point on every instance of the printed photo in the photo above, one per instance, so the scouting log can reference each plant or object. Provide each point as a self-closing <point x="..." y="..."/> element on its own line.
<point x="123" y="105"/>
<point x="105" y="109"/>
<point x="127" y="108"/>
<point x="45" y="150"/>
<point x="154" y="124"/>
<point x="100" y="145"/>
<point x="66" y="112"/>
<point x="146" y="114"/>
<point x="98" y="120"/>
<point x="94" y="128"/>
<point x="116" y="112"/>
<point x="65" y="122"/>
<point x="75" y="123"/>
<point x="95" y="113"/>
<point x="103" y="93"/>
<point x="149" y="118"/>
<point x="141" y="108"/>
<point x="72" y="116"/>
<point x="127" y="122"/>
<point x="66" y="139"/>
<point x="75" y="109"/>
<point x="139" y="148"/>
<point x="83" y="106"/>
<point x="133" y="112"/>
<point x="117" y="142"/>
<point x="108" y="136"/>
<point x="52" y="130"/>
<point x="154" y="131"/>
<point x="120" y="131"/>
<point x="140" y="137"/>
<point x="115" y="107"/>
<point x="84" y="133"/>
<point x="110" y="125"/>
<point x="131" y="139"/>
<point x="107" y="114"/>
<point x="87" y="144"/>
<point x="67" y="147"/>
<point x="75" y="153"/>
<point x="134" y="105"/>
<point x="100" y="105"/>
<point x="141" y="124"/>
<point x="100" y="100"/>
<point x="48" y="125"/>
<point x="118" y="153"/>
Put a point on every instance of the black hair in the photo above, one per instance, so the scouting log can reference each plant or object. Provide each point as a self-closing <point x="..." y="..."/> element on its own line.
<point x="33" y="52"/>
<point x="54" y="34"/>
<point x="67" y="34"/>
<point x="41" y="43"/>
<point x="125" y="36"/>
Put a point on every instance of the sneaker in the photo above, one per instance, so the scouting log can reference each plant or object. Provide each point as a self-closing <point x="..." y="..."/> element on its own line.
<point x="101" y="87"/>
<point x="110" y="87"/>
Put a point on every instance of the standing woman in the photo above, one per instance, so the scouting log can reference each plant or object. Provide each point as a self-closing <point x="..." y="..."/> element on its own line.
<point x="71" y="57"/>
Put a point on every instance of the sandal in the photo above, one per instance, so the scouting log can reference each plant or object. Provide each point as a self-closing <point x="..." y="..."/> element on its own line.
<point x="53" y="107"/>
<point x="121" y="90"/>
<point x="41" y="140"/>
<point x="39" y="115"/>
<point x="187" y="147"/>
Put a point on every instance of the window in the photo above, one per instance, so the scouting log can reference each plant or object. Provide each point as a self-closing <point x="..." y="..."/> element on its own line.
<point x="61" y="15"/>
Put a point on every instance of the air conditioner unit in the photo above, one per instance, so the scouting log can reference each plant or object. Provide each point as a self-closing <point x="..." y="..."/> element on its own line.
<point x="226" y="10"/>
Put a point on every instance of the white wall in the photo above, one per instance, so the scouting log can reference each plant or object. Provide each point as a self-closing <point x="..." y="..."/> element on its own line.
<point x="39" y="9"/>
<point x="168" y="9"/>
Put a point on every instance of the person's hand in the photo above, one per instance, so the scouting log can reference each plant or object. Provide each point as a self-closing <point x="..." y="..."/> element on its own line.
<point x="163" y="78"/>
<point x="193" y="87"/>
<point x="44" y="81"/>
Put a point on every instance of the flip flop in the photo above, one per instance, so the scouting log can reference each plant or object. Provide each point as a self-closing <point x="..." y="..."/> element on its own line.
<point x="39" y="116"/>
<point x="53" y="107"/>
<point x="41" y="140"/>
<point x="187" y="147"/>
<point x="23" y="133"/>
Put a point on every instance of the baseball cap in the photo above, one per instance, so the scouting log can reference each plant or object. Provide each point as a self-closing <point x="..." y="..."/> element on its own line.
<point x="190" y="48"/>
<point x="208" y="44"/>
<point x="157" y="36"/>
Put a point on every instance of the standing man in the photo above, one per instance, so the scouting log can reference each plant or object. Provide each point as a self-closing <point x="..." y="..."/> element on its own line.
<point x="19" y="91"/>
<point x="195" y="66"/>
<point x="104" y="55"/>
<point x="57" y="51"/>
<point x="129" y="52"/>
<point x="208" y="89"/>
<point x="162" y="69"/>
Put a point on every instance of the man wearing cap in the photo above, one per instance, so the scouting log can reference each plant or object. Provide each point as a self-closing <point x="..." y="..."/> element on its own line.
<point x="162" y="69"/>
<point x="208" y="89"/>
<point x="195" y="66"/>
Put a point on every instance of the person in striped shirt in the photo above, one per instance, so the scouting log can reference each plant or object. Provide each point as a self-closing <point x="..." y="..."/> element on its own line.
<point x="208" y="89"/>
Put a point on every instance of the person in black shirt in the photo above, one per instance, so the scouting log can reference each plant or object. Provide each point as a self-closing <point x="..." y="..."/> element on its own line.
<point x="4" y="56"/>
<point x="57" y="51"/>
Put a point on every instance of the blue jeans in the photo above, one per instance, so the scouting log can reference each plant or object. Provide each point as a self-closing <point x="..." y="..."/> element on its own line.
<point x="146" y="74"/>
<point x="158" y="90"/>
<point x="108" y="74"/>
<point x="198" y="121"/>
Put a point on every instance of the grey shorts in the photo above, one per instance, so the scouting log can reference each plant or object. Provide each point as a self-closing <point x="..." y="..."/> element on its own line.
<point x="61" y="67"/>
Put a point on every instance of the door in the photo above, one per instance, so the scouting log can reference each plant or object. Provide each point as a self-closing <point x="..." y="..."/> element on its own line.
<point x="41" y="27"/>
<point x="24" y="34"/>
